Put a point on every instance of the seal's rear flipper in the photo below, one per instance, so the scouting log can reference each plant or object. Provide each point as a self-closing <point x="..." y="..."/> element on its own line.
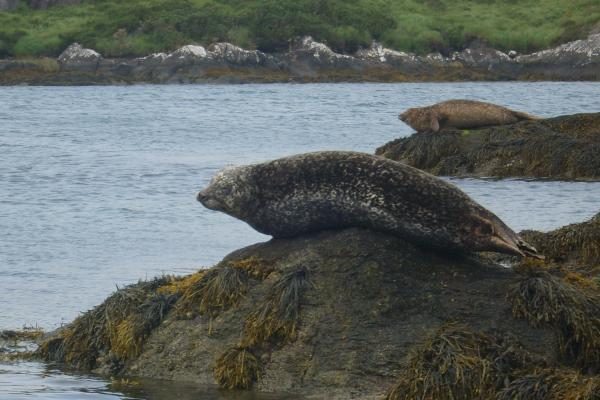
<point x="528" y="250"/>
<point x="524" y="116"/>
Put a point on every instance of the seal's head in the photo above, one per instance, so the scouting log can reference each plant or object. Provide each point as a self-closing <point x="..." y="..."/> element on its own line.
<point x="230" y="191"/>
<point x="419" y="119"/>
<point x="489" y="233"/>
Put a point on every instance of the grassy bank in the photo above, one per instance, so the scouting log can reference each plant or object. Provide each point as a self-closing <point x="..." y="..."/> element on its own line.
<point x="138" y="27"/>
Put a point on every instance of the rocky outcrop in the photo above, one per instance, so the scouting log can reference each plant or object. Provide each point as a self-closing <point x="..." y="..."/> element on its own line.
<point x="189" y="53"/>
<point x="340" y="315"/>
<point x="578" y="53"/>
<point x="564" y="148"/>
<point x="77" y="58"/>
<point x="234" y="55"/>
<point x="311" y="61"/>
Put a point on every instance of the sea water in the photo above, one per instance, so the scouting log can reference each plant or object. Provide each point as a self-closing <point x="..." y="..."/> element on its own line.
<point x="98" y="184"/>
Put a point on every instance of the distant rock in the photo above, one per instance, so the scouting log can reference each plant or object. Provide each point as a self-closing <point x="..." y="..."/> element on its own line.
<point x="577" y="53"/>
<point x="481" y="57"/>
<point x="189" y="52"/>
<point x="75" y="57"/>
<point x="307" y="51"/>
<point x="311" y="61"/>
<point x="232" y="54"/>
<point x="565" y="148"/>
<point x="376" y="52"/>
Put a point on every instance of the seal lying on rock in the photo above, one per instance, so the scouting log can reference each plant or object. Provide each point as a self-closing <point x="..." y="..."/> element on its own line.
<point x="333" y="190"/>
<point x="461" y="114"/>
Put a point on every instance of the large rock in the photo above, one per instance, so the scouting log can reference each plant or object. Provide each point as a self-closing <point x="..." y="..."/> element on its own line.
<point x="235" y="55"/>
<point x="334" y="315"/>
<point x="75" y="57"/>
<point x="566" y="148"/>
<point x="577" y="53"/>
<point x="189" y="53"/>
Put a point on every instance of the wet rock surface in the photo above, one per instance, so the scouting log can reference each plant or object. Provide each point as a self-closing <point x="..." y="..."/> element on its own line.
<point x="312" y="61"/>
<point x="562" y="148"/>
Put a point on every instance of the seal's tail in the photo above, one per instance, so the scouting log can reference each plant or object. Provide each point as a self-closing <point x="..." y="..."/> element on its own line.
<point x="523" y="116"/>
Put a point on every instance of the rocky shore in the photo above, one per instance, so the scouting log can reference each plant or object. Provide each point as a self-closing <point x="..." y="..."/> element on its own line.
<point x="561" y="148"/>
<point x="358" y="314"/>
<point x="307" y="61"/>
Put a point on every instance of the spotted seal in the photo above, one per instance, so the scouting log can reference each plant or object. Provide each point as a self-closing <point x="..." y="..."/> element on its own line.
<point x="461" y="114"/>
<point x="335" y="189"/>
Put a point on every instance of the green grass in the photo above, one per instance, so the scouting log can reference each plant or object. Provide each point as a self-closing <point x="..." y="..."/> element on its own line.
<point x="138" y="27"/>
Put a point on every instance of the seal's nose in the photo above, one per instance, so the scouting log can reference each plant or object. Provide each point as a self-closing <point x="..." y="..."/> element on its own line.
<point x="200" y="197"/>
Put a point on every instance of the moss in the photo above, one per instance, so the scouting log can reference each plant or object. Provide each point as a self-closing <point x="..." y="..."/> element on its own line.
<point x="278" y="316"/>
<point x="237" y="368"/>
<point x="119" y="326"/>
<point x="457" y="363"/>
<point x="216" y="290"/>
<point x="541" y="298"/>
<point x="552" y="384"/>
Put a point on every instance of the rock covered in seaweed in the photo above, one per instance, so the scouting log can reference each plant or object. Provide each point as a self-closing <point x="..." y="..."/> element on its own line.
<point x="574" y="247"/>
<point x="565" y="147"/>
<point x="337" y="315"/>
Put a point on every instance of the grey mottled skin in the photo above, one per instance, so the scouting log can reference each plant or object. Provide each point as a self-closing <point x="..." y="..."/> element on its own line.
<point x="334" y="190"/>
<point x="461" y="114"/>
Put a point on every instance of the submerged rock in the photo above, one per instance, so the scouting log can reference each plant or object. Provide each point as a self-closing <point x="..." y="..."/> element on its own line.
<point x="338" y="315"/>
<point x="566" y="148"/>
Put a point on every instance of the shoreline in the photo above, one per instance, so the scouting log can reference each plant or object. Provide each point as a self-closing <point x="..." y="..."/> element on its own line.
<point x="308" y="62"/>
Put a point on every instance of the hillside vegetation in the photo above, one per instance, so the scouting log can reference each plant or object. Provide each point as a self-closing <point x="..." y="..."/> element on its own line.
<point x="138" y="27"/>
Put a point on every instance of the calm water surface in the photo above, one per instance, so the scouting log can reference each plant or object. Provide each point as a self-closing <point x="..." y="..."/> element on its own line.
<point x="97" y="184"/>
